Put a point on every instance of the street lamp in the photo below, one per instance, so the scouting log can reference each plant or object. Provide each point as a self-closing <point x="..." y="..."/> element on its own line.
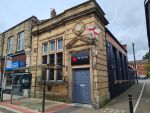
<point x="135" y="63"/>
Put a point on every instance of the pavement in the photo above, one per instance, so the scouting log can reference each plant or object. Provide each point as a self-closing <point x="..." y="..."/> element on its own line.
<point x="4" y="110"/>
<point x="21" y="104"/>
<point x="117" y="105"/>
<point x="144" y="104"/>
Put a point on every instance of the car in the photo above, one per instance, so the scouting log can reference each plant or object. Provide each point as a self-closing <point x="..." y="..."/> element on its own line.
<point x="142" y="77"/>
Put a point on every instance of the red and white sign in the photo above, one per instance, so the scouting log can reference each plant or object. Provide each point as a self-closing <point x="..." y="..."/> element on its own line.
<point x="94" y="32"/>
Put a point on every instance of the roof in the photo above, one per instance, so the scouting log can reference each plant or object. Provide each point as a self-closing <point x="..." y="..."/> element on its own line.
<point x="19" y="24"/>
<point x="115" y="39"/>
<point x="139" y="62"/>
<point x="97" y="5"/>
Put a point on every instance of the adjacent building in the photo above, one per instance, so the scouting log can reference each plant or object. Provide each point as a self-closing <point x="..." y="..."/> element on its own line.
<point x="140" y="66"/>
<point x="15" y="43"/>
<point x="147" y="14"/>
<point x="117" y="61"/>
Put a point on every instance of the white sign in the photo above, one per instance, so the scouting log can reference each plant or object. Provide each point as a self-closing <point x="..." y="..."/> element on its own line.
<point x="8" y="62"/>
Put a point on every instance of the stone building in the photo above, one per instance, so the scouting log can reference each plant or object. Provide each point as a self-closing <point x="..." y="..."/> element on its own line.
<point x="80" y="50"/>
<point x="16" y="43"/>
<point x="71" y="39"/>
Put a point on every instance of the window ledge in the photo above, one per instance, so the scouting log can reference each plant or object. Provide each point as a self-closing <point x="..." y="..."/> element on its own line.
<point x="19" y="51"/>
<point x="9" y="54"/>
<point x="49" y="82"/>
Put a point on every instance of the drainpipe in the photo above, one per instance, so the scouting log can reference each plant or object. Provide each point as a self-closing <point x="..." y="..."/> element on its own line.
<point x="2" y="44"/>
<point x="36" y="63"/>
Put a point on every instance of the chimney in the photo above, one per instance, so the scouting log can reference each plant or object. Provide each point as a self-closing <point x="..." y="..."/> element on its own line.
<point x="125" y="46"/>
<point x="53" y="13"/>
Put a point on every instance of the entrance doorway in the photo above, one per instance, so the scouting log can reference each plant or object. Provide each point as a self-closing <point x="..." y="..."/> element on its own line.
<point x="81" y="86"/>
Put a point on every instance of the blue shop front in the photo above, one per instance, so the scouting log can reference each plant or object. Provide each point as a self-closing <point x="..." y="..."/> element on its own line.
<point x="17" y="79"/>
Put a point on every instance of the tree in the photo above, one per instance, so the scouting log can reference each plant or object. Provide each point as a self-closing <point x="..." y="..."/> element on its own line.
<point x="147" y="67"/>
<point x="146" y="56"/>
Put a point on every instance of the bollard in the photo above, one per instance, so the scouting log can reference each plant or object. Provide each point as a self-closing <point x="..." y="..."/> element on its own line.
<point x="130" y="102"/>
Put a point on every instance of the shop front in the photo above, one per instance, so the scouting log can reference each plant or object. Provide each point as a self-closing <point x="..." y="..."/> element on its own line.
<point x="21" y="83"/>
<point x="16" y="77"/>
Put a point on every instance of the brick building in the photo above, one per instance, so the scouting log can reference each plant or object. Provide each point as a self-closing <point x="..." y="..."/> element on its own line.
<point x="141" y="70"/>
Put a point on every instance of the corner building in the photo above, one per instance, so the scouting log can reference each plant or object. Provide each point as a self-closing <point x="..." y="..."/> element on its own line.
<point x="65" y="40"/>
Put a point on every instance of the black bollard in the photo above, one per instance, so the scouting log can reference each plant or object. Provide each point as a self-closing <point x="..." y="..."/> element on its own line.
<point x="130" y="103"/>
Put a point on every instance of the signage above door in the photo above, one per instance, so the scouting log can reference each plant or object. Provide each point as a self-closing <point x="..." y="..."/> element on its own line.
<point x="80" y="58"/>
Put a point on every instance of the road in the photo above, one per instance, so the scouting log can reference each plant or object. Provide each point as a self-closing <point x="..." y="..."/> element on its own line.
<point x="144" y="104"/>
<point x="3" y="110"/>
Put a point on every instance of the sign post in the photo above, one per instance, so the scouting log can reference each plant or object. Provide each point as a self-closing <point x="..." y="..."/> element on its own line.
<point x="7" y="66"/>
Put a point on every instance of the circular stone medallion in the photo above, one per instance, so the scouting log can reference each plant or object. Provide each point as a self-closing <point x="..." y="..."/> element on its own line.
<point x="79" y="28"/>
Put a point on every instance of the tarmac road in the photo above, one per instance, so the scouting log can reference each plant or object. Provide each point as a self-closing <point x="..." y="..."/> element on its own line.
<point x="3" y="110"/>
<point x="144" y="104"/>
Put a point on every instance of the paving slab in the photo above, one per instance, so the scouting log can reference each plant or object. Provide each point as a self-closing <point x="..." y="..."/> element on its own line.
<point x="117" y="105"/>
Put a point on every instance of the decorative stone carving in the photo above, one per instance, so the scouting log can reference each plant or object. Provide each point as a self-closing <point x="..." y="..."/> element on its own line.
<point x="79" y="28"/>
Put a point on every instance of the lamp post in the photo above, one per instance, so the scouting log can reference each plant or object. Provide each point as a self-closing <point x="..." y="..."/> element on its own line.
<point x="135" y="63"/>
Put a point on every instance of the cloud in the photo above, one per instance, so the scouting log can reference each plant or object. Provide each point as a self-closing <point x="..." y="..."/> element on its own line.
<point x="2" y="26"/>
<point x="127" y="23"/>
<point x="126" y="18"/>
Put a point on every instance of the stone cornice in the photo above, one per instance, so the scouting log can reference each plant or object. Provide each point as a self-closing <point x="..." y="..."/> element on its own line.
<point x="68" y="15"/>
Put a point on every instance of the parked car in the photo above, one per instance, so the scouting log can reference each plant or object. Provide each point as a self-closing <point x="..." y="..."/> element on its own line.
<point x="143" y="77"/>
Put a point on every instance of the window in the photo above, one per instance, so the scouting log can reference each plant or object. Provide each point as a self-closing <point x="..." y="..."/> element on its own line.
<point x="45" y="48"/>
<point x="20" y="45"/>
<point x="54" y="55"/>
<point x="51" y="74"/>
<point x="59" y="44"/>
<point x="52" y="45"/>
<point x="44" y="59"/>
<point x="51" y="71"/>
<point x="52" y="58"/>
<point x="59" y="62"/>
<point x="59" y="58"/>
<point x="59" y="74"/>
<point x="8" y="80"/>
<point x="10" y="45"/>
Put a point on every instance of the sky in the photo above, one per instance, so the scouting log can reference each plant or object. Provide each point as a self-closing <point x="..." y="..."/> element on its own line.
<point x="126" y="18"/>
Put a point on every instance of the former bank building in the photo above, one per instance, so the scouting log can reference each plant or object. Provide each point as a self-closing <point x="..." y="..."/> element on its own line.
<point x="93" y="65"/>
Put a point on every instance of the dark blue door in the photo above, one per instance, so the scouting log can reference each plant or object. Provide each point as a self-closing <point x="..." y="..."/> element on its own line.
<point x="81" y="86"/>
